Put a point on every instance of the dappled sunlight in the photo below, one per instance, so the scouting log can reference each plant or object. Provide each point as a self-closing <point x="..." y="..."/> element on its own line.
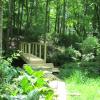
<point x="50" y="49"/>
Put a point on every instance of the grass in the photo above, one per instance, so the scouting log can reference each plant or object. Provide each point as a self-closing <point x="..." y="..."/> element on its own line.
<point x="89" y="90"/>
<point x="78" y="81"/>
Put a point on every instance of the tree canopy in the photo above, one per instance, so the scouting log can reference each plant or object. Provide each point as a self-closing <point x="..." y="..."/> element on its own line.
<point x="59" y="20"/>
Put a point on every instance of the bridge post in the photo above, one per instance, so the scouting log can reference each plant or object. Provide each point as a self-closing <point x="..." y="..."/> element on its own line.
<point x="35" y="49"/>
<point x="29" y="48"/>
<point x="20" y="47"/>
<point x="45" y="52"/>
<point x="40" y="50"/>
<point x="25" y="46"/>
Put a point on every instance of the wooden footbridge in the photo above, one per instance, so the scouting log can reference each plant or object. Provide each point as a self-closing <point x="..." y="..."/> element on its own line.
<point x="35" y="54"/>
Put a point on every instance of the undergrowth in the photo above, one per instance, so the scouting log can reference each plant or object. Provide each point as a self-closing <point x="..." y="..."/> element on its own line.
<point x="17" y="83"/>
<point x="82" y="81"/>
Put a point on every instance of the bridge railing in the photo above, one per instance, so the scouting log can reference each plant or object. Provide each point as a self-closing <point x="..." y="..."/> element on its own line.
<point x="37" y="49"/>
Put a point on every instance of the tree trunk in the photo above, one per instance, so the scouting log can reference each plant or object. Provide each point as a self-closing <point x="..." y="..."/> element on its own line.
<point x="46" y="20"/>
<point x="1" y="26"/>
<point x="64" y="12"/>
<point x="27" y="13"/>
<point x="18" y="26"/>
<point x="10" y="26"/>
<point x="21" y="15"/>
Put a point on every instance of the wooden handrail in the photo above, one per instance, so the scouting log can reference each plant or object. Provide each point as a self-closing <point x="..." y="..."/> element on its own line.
<point x="37" y="49"/>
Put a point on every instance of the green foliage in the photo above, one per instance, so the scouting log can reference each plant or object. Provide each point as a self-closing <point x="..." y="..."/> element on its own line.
<point x="88" y="57"/>
<point x="90" y="49"/>
<point x="59" y="58"/>
<point x="63" y="23"/>
<point x="26" y="85"/>
<point x="67" y="69"/>
<point x="24" y="82"/>
<point x="90" y="44"/>
<point x="98" y="55"/>
<point x="73" y="53"/>
<point x="81" y="79"/>
<point x="7" y="72"/>
<point x="33" y="95"/>
<point x="34" y="84"/>
<point x="88" y="69"/>
<point x="66" y="22"/>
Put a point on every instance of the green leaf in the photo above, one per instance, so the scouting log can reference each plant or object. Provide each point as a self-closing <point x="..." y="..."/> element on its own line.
<point x="40" y="82"/>
<point x="24" y="83"/>
<point x="33" y="95"/>
<point x="28" y="69"/>
<point x="39" y="74"/>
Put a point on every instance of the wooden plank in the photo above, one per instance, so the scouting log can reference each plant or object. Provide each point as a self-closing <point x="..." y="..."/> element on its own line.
<point x="29" y="58"/>
<point x="49" y="65"/>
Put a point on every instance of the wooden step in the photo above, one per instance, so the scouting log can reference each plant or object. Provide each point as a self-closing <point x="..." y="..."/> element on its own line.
<point x="55" y="70"/>
<point x="52" y="70"/>
<point x="37" y="67"/>
<point x="38" y="63"/>
<point x="29" y="58"/>
<point x="44" y="67"/>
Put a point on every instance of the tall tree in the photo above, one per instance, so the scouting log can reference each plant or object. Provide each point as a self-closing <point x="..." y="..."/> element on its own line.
<point x="64" y="15"/>
<point x="1" y="26"/>
<point x="46" y="20"/>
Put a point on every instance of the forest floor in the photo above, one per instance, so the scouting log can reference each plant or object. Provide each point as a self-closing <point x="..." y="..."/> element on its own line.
<point x="90" y="90"/>
<point x="79" y="85"/>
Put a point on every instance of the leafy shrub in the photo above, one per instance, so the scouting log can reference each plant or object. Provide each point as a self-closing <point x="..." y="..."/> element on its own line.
<point x="92" y="68"/>
<point x="7" y="72"/>
<point x="57" y="57"/>
<point x="64" y="55"/>
<point x="30" y="83"/>
<point x="89" y="69"/>
<point x="90" y="48"/>
<point x="97" y="58"/>
<point x="74" y="73"/>
<point x="14" y="82"/>
<point x="88" y="57"/>
<point x="35" y="81"/>
<point x="72" y="53"/>
<point x="67" y="69"/>
<point x="90" y="44"/>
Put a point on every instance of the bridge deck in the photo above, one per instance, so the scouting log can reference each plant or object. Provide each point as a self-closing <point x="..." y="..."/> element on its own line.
<point x="34" y="54"/>
<point x="31" y="59"/>
<point x="38" y="63"/>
